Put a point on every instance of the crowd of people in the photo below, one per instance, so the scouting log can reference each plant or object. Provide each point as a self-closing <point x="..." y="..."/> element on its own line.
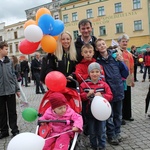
<point x="99" y="70"/>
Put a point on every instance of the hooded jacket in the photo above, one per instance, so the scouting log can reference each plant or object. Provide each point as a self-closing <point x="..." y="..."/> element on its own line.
<point x="8" y="80"/>
<point x="62" y="127"/>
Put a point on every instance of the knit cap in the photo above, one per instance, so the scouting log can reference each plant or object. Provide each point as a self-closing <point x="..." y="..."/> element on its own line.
<point x="93" y="65"/>
<point x="57" y="99"/>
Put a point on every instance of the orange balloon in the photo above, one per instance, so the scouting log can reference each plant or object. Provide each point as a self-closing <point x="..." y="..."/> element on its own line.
<point x="41" y="12"/>
<point x="48" y="44"/>
<point x="55" y="37"/>
<point x="29" y="22"/>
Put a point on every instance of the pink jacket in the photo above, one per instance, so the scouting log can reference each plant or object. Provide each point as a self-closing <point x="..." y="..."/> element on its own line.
<point x="62" y="127"/>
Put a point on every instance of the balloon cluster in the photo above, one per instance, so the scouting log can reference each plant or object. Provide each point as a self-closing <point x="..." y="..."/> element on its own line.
<point x="42" y="32"/>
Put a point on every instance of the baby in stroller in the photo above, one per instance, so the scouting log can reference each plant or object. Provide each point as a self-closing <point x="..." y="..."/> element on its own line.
<point x="60" y="110"/>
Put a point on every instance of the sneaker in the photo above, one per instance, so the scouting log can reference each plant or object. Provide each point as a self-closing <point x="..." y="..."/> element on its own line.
<point x="119" y="138"/>
<point x="123" y="122"/>
<point x="113" y="141"/>
<point x="143" y="80"/>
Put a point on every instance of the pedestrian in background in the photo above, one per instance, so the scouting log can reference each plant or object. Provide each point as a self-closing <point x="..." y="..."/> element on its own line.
<point x="146" y="60"/>
<point x="8" y="90"/>
<point x="18" y="75"/>
<point x="135" y="58"/>
<point x="36" y="69"/>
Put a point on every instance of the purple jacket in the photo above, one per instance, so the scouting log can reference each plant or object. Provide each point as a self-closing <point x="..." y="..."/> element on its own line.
<point x="62" y="127"/>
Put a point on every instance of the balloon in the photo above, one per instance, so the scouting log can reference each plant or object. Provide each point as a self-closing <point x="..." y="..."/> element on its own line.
<point x="48" y="44"/>
<point x="33" y="33"/>
<point x="29" y="114"/>
<point x="46" y="23"/>
<point x="27" y="47"/>
<point x="29" y="22"/>
<point x="26" y="141"/>
<point x="55" y="81"/>
<point x="58" y="27"/>
<point x="140" y="59"/>
<point x="100" y="108"/>
<point x="55" y="37"/>
<point x="41" y="12"/>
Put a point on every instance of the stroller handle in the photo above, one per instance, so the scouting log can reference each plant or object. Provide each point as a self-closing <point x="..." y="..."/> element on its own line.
<point x="74" y="81"/>
<point x="60" y="121"/>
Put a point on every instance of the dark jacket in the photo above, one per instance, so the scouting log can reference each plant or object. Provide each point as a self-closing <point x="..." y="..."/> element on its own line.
<point x="24" y="66"/>
<point x="51" y="63"/>
<point x="79" y="43"/>
<point x="112" y="76"/>
<point x="8" y="80"/>
<point x="36" y="66"/>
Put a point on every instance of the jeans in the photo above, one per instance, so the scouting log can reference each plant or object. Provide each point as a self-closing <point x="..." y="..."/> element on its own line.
<point x="113" y="124"/>
<point x="145" y="71"/>
<point x="97" y="131"/>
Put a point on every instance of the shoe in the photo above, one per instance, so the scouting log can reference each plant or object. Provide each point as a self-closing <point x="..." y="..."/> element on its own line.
<point x="136" y="81"/>
<point x="113" y="141"/>
<point x="143" y="80"/>
<point x="123" y="122"/>
<point x="43" y="92"/>
<point x="119" y="138"/>
<point x="101" y="148"/>
<point x="38" y="93"/>
<point x="14" y="134"/>
<point x="92" y="148"/>
<point x="3" y="135"/>
<point x="130" y="119"/>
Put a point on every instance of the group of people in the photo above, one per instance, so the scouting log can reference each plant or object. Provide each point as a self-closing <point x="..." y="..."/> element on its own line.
<point x="100" y="72"/>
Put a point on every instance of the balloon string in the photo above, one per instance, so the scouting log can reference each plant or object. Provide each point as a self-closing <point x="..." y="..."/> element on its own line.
<point x="83" y="81"/>
<point x="58" y="134"/>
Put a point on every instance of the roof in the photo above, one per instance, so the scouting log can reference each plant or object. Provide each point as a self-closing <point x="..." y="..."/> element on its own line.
<point x="143" y="48"/>
<point x="68" y="1"/>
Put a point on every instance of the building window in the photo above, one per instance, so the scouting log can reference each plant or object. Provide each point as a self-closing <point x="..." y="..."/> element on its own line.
<point x="75" y="34"/>
<point x="56" y="16"/>
<point x="119" y="28"/>
<point x="10" y="48"/>
<point x="65" y="18"/>
<point x="136" y="4"/>
<point x="89" y="13"/>
<point x="102" y="30"/>
<point x="16" y="45"/>
<point x="137" y="25"/>
<point x="15" y="35"/>
<point x="74" y="16"/>
<point x="1" y="38"/>
<point x="101" y="11"/>
<point x="118" y="7"/>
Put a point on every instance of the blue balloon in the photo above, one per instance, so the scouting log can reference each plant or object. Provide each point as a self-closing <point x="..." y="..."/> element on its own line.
<point x="46" y="23"/>
<point x="58" y="28"/>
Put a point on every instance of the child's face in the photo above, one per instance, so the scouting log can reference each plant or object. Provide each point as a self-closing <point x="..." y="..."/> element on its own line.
<point x="94" y="74"/>
<point x="87" y="53"/>
<point x="4" y="51"/>
<point x="101" y="46"/>
<point x="60" y="110"/>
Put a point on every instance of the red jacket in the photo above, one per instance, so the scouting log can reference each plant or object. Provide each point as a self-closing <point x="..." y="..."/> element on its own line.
<point x="100" y="86"/>
<point x="82" y="69"/>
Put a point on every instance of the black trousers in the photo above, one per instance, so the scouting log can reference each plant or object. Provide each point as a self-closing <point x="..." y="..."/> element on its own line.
<point x="126" y="109"/>
<point x="8" y="111"/>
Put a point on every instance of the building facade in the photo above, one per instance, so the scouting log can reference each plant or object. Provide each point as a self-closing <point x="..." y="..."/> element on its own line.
<point x="110" y="18"/>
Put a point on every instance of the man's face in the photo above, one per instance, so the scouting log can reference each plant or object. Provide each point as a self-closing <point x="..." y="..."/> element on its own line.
<point x="4" y="51"/>
<point x="123" y="43"/>
<point x="85" y="30"/>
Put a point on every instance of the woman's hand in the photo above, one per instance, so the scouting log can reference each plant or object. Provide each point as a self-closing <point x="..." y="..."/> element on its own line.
<point x="75" y="129"/>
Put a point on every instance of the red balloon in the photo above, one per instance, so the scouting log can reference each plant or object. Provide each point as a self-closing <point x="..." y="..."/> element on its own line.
<point x="55" y="81"/>
<point x="27" y="47"/>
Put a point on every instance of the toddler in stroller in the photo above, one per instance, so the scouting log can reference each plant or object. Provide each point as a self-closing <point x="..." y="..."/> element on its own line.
<point x="60" y="133"/>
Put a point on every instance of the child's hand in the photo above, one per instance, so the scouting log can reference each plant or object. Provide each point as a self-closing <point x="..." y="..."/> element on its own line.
<point x="119" y="57"/>
<point x="90" y="93"/>
<point x="75" y="129"/>
<point x="43" y="123"/>
<point x="98" y="94"/>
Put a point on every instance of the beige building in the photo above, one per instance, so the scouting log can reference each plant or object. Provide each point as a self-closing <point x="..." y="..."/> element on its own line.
<point x="110" y="18"/>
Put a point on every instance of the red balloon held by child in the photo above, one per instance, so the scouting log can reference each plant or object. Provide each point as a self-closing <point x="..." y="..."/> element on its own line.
<point x="55" y="81"/>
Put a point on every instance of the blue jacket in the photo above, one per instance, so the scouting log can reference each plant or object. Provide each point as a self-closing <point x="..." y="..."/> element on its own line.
<point x="112" y="76"/>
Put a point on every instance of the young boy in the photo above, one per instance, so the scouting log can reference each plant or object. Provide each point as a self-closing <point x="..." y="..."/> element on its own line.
<point x="8" y="88"/>
<point x="87" y="51"/>
<point x="114" y="79"/>
<point x="93" y="86"/>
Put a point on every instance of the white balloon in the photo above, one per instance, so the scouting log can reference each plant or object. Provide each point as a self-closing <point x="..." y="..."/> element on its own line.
<point x="33" y="33"/>
<point x="26" y="141"/>
<point x="100" y="108"/>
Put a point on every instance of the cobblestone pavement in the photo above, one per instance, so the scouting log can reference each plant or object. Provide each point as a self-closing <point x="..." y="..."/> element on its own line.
<point x="136" y="133"/>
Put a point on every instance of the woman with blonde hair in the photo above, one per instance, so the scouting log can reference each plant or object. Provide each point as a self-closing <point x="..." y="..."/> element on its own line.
<point x="64" y="58"/>
<point x="18" y="74"/>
